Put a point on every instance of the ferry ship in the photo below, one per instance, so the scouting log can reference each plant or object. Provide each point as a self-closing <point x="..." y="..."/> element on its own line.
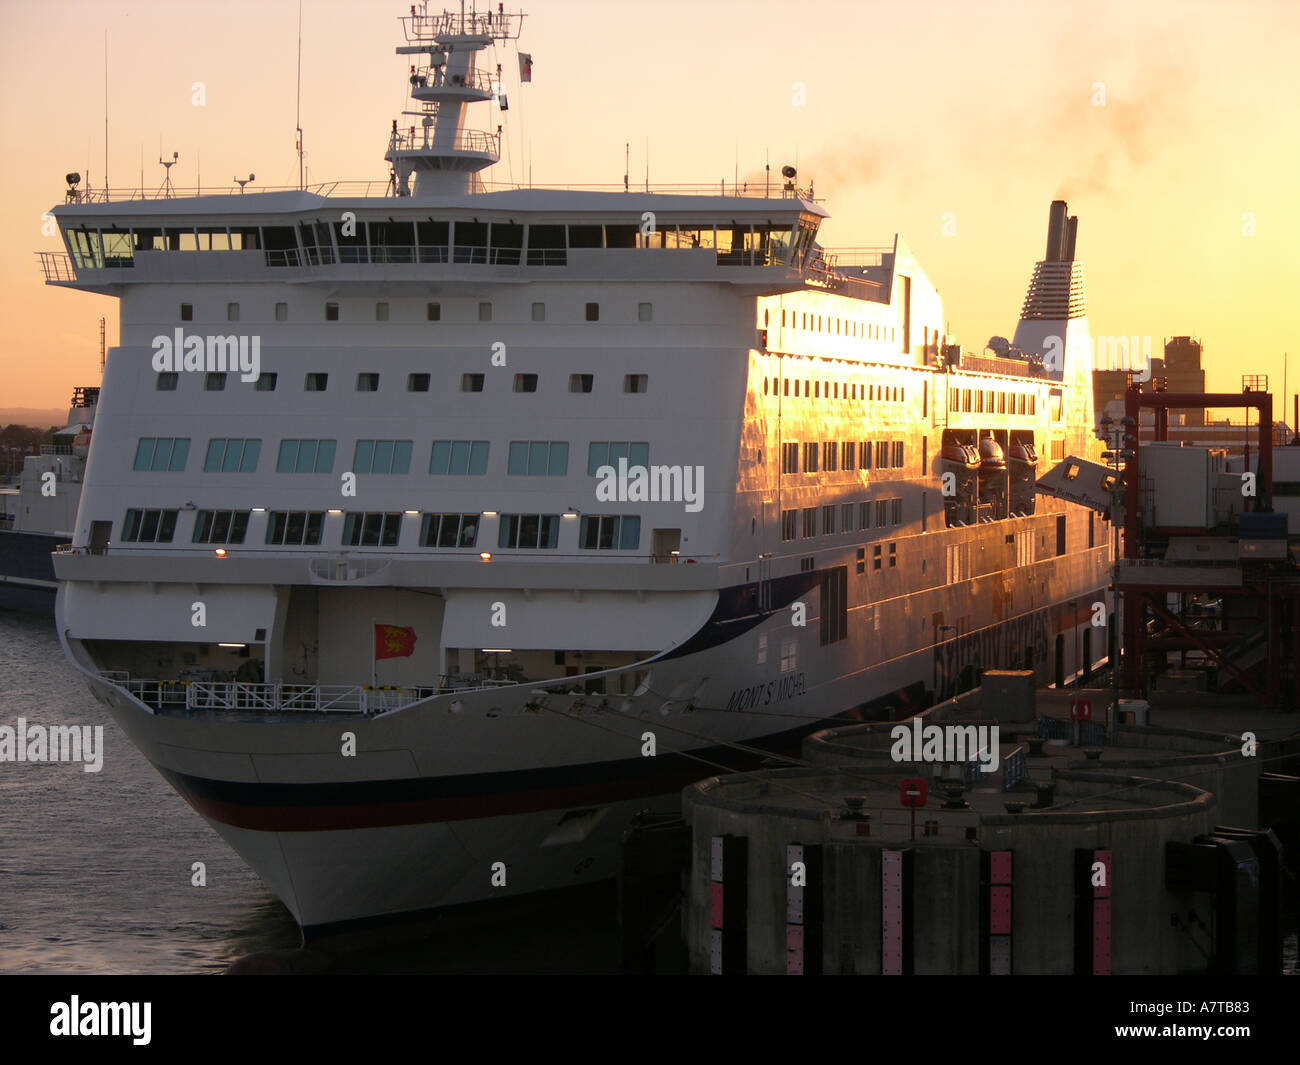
<point x="37" y="515"/>
<point x="540" y="504"/>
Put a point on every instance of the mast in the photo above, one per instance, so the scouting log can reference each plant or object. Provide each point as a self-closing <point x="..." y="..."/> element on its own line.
<point x="441" y="154"/>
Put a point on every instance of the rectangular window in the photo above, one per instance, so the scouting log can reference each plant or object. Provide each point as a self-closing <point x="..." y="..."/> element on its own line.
<point x="875" y="558"/>
<point x="305" y="456"/>
<point x="459" y="457"/>
<point x="232" y="455"/>
<point x="864" y="454"/>
<point x="485" y="312"/>
<point x="849" y="455"/>
<point x="433" y="312"/>
<point x="846" y="517"/>
<point x="381" y="311"/>
<point x="162" y="454"/>
<point x="789" y="458"/>
<point x="372" y="529"/>
<point x="862" y="560"/>
<point x="581" y="382"/>
<point x="382" y="456"/>
<point x="895" y="512"/>
<point x="608" y="452"/>
<point x="538" y="458"/>
<point x="882" y="513"/>
<point x="281" y="312"/>
<point x="471" y="382"/>
<point x="417" y="382"/>
<point x="828" y="519"/>
<point x="834" y="605"/>
<point x="645" y="312"/>
<point x="593" y="312"/>
<point x="232" y="312"/>
<point x="525" y="382"/>
<point x="539" y="312"/>
<point x="449" y="530"/>
<point x="367" y="382"/>
<point x="214" y="382"/>
<point x="166" y="382"/>
<point x="830" y="456"/>
<point x="187" y="312"/>
<point x="331" y="312"/>
<point x="529" y="531"/>
<point x="864" y="515"/>
<point x="789" y="524"/>
<point x="898" y="454"/>
<point x="149" y="526"/>
<point x="636" y="382"/>
<point x="893" y="555"/>
<point x="220" y="526"/>
<point x="882" y="454"/>
<point x="609" y="532"/>
<point x="809" y="522"/>
<point x="316" y="382"/>
<point x="294" y="528"/>
<point x="265" y="382"/>
<point x="810" y="458"/>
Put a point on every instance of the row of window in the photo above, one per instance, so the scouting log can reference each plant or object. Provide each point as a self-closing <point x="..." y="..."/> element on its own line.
<point x="845" y="327"/>
<point x="215" y="381"/>
<point x="596" y="532"/>
<point x="988" y="401"/>
<point x="526" y="458"/>
<point x="440" y="241"/>
<point x="432" y="312"/>
<point x="831" y="456"/>
<point x="810" y="389"/>
<point x="802" y="524"/>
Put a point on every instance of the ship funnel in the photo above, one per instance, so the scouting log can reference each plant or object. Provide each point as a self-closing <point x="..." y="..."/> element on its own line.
<point x="1071" y="233"/>
<point x="1055" y="232"/>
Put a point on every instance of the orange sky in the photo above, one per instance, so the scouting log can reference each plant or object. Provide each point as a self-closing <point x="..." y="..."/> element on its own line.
<point x="913" y="109"/>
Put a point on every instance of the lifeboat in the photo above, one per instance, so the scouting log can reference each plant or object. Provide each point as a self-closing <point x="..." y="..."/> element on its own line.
<point x="992" y="459"/>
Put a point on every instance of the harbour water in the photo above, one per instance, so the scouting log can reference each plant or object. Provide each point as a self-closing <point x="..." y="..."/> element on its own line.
<point x="96" y="868"/>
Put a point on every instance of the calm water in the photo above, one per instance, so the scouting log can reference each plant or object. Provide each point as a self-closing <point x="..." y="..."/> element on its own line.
<point x="95" y="867"/>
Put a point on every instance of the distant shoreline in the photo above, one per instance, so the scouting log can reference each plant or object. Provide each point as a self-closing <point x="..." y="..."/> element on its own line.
<point x="36" y="417"/>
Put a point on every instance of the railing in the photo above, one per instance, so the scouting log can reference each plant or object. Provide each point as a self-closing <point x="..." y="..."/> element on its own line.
<point x="347" y="569"/>
<point x="56" y="449"/>
<point x="243" y="697"/>
<point x="1013" y="769"/>
<point x="385" y="190"/>
<point x="466" y="140"/>
<point x="437" y="78"/>
<point x="56" y="265"/>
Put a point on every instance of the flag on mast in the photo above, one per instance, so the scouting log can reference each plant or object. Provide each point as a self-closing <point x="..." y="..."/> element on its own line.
<point x="394" y="641"/>
<point x="525" y="66"/>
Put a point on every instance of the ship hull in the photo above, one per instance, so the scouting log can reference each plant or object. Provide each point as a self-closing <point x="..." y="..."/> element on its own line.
<point x="478" y="796"/>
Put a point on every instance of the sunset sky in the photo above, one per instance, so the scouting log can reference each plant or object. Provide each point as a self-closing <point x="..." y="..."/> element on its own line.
<point x="911" y="110"/>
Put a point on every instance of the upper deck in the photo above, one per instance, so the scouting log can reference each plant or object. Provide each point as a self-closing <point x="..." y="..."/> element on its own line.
<point x="521" y="234"/>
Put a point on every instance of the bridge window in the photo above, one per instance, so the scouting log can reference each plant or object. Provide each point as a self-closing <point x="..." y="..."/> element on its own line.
<point x="305" y="456"/>
<point x="232" y="455"/>
<point x="538" y="458"/>
<point x="605" y="532"/>
<point x="220" y="527"/>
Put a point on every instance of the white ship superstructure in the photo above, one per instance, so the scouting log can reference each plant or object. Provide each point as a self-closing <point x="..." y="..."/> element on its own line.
<point x="608" y="473"/>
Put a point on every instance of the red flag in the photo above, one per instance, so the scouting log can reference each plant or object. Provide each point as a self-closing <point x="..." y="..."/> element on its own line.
<point x="394" y="641"/>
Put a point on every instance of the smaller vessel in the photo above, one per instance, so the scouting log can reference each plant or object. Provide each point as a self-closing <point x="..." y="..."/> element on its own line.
<point x="41" y="511"/>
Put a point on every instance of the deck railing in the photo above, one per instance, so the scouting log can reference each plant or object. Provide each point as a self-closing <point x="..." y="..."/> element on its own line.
<point x="245" y="697"/>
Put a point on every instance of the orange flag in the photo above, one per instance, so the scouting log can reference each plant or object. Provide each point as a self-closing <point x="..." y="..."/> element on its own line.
<point x="394" y="641"/>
